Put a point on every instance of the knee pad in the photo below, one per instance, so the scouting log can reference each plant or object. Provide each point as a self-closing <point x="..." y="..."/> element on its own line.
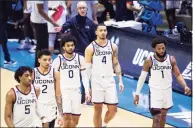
<point x="155" y="111"/>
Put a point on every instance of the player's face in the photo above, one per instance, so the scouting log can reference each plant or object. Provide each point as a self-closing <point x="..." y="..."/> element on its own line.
<point x="69" y="47"/>
<point x="82" y="9"/>
<point x="26" y="78"/>
<point x="160" y="50"/>
<point x="45" y="61"/>
<point x="101" y="32"/>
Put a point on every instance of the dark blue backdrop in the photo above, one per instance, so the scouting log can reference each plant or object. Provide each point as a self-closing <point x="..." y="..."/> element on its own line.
<point x="135" y="46"/>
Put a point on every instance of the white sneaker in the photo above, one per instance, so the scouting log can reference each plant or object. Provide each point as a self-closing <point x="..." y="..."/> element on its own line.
<point x="10" y="62"/>
<point x="33" y="49"/>
<point x="24" y="46"/>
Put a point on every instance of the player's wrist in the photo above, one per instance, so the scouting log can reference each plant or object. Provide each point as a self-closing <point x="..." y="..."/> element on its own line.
<point x="44" y="120"/>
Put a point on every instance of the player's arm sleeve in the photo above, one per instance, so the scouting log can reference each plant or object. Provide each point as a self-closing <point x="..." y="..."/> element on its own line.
<point x="84" y="74"/>
<point x="38" y="110"/>
<point x="141" y="81"/>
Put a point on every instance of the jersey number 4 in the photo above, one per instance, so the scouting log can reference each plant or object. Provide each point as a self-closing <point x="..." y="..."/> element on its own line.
<point x="104" y="60"/>
<point x="27" y="109"/>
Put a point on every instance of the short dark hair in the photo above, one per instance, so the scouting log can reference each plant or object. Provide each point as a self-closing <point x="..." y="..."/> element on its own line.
<point x="19" y="72"/>
<point x="101" y="24"/>
<point x="158" y="40"/>
<point x="43" y="52"/>
<point x="67" y="38"/>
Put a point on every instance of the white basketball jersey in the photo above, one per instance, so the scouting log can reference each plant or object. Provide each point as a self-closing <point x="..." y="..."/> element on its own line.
<point x="24" y="108"/>
<point x="102" y="64"/>
<point x="70" y="72"/>
<point x="46" y="84"/>
<point x="160" y="73"/>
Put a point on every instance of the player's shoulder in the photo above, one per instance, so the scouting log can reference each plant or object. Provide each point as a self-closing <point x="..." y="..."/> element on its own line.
<point x="80" y="57"/>
<point x="172" y="59"/>
<point x="114" y="46"/>
<point x="11" y="94"/>
<point x="90" y="47"/>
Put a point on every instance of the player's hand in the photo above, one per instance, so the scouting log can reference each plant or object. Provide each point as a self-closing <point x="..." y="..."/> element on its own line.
<point x="60" y="121"/>
<point x="88" y="97"/>
<point x="187" y="90"/>
<point x="57" y="29"/>
<point x="136" y="100"/>
<point x="121" y="87"/>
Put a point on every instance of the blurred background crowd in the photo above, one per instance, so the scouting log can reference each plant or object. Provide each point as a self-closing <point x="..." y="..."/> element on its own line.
<point x="35" y="23"/>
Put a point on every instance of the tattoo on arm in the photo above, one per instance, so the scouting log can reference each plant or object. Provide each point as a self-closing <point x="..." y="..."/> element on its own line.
<point x="59" y="103"/>
<point x="117" y="67"/>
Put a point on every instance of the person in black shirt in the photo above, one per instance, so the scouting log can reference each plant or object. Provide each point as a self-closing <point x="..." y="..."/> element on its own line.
<point x="124" y="10"/>
<point x="81" y="27"/>
<point x="5" y="12"/>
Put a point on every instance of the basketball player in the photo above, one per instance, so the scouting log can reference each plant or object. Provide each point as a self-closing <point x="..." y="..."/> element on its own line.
<point x="72" y="67"/>
<point x="48" y="80"/>
<point x="160" y="66"/>
<point x="102" y="61"/>
<point x="21" y="101"/>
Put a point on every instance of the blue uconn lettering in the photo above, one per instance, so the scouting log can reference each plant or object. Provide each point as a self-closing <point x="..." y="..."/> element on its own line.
<point x="156" y="67"/>
<point x="28" y="101"/>
<point x="65" y="66"/>
<point x="101" y="53"/>
<point x="140" y="56"/>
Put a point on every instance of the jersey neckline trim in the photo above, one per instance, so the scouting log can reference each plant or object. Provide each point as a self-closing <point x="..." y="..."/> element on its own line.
<point x="100" y="45"/>
<point x="42" y="73"/>
<point x="69" y="59"/>
<point x="159" y="60"/>
<point x="24" y="93"/>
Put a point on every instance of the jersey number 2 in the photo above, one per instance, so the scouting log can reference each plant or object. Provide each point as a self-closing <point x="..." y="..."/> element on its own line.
<point x="44" y="88"/>
<point x="104" y="60"/>
<point x="27" y="109"/>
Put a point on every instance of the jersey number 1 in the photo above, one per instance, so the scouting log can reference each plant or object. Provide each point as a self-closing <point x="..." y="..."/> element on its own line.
<point x="162" y="74"/>
<point x="104" y="60"/>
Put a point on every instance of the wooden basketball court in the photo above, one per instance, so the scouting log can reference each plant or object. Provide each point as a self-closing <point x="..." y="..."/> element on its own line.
<point x="122" y="119"/>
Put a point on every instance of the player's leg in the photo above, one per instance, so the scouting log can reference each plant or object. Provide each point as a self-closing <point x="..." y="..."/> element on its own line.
<point x="67" y="120"/>
<point x="168" y="103"/>
<point x="97" y="119"/>
<point x="155" y="105"/>
<point x="111" y="100"/>
<point x="76" y="106"/>
<point x="98" y="100"/>
<point x="110" y="114"/>
<point x="75" y="120"/>
<point x="52" y="123"/>
<point x="67" y="108"/>
<point x="52" y="114"/>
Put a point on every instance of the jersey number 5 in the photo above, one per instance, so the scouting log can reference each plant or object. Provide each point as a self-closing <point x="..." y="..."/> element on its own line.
<point x="27" y="109"/>
<point x="104" y="60"/>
